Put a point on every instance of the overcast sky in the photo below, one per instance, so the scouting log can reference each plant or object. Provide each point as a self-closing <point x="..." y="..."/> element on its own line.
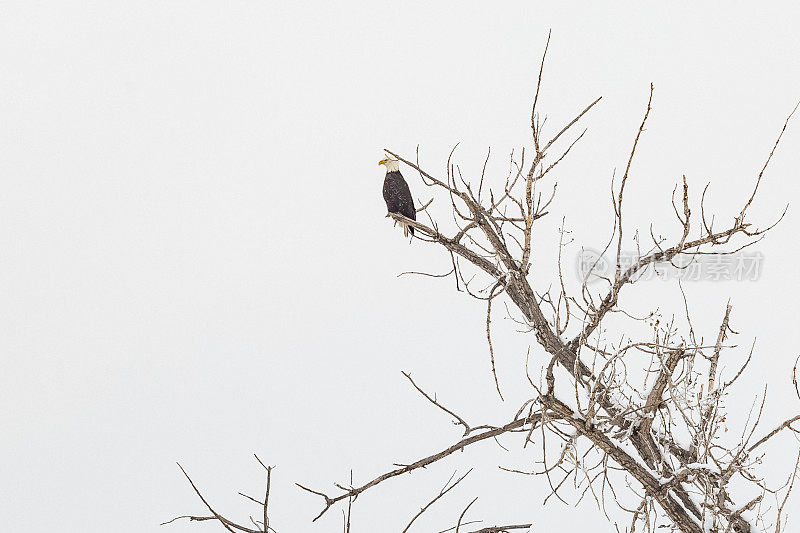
<point x="195" y="264"/>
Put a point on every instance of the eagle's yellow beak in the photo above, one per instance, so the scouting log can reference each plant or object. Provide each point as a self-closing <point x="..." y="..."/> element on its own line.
<point x="382" y="162"/>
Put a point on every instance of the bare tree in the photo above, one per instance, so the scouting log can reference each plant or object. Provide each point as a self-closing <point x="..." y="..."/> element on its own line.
<point x="637" y="419"/>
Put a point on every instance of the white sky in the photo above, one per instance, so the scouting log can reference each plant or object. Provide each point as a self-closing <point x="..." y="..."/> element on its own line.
<point x="195" y="266"/>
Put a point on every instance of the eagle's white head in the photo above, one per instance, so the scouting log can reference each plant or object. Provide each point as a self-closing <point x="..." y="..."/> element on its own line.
<point x="392" y="164"/>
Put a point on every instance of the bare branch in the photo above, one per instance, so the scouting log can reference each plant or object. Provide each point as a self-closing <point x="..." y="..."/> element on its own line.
<point x="461" y="517"/>
<point x="460" y="420"/>
<point x="421" y="463"/>
<point x="786" y="424"/>
<point x="489" y="335"/>
<point x="447" y="488"/>
<point x="723" y="331"/>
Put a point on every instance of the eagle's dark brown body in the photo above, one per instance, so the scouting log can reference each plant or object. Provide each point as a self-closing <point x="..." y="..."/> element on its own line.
<point x="398" y="196"/>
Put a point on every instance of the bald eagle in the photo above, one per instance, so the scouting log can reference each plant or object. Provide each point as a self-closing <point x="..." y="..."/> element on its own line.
<point x="397" y="194"/>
